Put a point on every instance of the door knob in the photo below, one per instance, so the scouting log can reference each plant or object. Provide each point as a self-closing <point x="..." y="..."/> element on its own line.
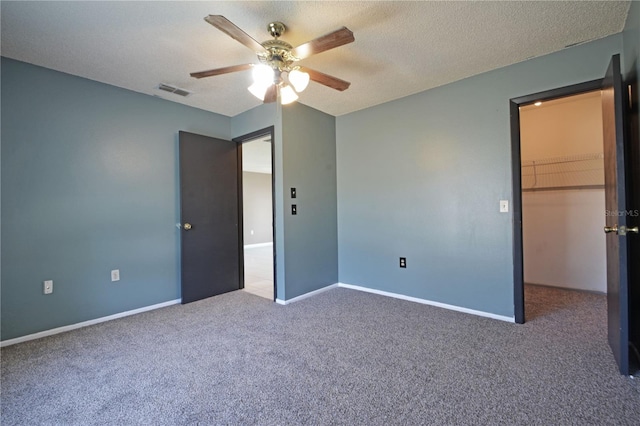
<point x="623" y="230"/>
<point x="187" y="226"/>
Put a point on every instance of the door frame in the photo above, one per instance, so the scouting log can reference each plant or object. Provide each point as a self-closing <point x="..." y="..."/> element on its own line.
<point x="267" y="131"/>
<point x="516" y="164"/>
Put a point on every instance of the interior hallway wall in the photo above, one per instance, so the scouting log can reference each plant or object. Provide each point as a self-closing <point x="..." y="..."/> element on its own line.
<point x="304" y="158"/>
<point x="311" y="236"/>
<point x="257" y="208"/>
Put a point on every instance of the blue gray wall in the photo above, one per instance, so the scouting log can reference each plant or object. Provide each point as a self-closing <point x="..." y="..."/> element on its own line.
<point x="311" y="240"/>
<point x="89" y="184"/>
<point x="421" y="177"/>
<point x="631" y="40"/>
<point x="305" y="158"/>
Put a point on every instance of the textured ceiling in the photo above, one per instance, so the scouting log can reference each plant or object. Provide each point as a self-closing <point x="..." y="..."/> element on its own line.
<point x="400" y="48"/>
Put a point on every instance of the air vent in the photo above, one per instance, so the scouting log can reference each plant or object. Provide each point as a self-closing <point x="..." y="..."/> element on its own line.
<point x="172" y="89"/>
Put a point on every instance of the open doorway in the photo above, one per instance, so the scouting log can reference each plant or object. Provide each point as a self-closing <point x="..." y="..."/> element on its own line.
<point x="618" y="223"/>
<point x="562" y="190"/>
<point x="532" y="178"/>
<point x="562" y="171"/>
<point x="257" y="216"/>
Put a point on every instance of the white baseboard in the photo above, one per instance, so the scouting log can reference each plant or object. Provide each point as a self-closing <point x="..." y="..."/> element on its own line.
<point x="399" y="296"/>
<point x="86" y="323"/>
<point x="600" y="292"/>
<point x="304" y="296"/>
<point x="429" y="302"/>
<point x="250" y="246"/>
<point x="279" y="301"/>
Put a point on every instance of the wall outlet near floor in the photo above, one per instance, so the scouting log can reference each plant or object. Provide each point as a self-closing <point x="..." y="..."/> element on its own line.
<point x="403" y="262"/>
<point x="47" y="287"/>
<point x="115" y="275"/>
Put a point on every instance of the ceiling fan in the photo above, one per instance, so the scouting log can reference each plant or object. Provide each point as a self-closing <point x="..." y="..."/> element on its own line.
<point x="277" y="73"/>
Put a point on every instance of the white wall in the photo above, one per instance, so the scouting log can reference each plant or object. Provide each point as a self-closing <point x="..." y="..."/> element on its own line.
<point x="563" y="242"/>
<point x="257" y="208"/>
<point x="562" y="127"/>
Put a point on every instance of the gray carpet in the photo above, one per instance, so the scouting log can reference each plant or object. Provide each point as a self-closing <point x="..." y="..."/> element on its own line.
<point x="341" y="357"/>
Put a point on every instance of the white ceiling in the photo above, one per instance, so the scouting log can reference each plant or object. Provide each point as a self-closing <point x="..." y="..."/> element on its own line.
<point x="400" y="48"/>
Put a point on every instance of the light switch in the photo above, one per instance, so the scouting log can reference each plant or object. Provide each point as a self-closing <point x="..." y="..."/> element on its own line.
<point x="293" y="193"/>
<point x="294" y="209"/>
<point x="504" y="206"/>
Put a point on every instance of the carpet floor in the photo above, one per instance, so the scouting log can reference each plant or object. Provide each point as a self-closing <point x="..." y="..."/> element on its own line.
<point x="341" y="357"/>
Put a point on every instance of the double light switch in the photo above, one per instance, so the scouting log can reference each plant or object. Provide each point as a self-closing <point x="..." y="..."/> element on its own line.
<point x="294" y="207"/>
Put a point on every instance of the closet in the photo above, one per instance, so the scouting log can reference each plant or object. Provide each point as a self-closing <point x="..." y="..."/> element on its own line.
<point x="563" y="193"/>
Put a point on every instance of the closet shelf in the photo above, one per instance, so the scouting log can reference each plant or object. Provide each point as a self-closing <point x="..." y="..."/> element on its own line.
<point x="584" y="171"/>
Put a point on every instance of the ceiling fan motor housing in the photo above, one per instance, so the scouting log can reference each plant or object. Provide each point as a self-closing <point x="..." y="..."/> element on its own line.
<point x="278" y="55"/>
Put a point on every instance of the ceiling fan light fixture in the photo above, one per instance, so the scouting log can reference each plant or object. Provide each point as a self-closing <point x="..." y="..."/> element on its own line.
<point x="287" y="95"/>
<point x="299" y="80"/>
<point x="263" y="75"/>
<point x="276" y="77"/>
<point x="259" y="90"/>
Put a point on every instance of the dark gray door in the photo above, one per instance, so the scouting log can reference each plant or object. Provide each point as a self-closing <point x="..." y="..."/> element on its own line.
<point x="616" y="215"/>
<point x="210" y="244"/>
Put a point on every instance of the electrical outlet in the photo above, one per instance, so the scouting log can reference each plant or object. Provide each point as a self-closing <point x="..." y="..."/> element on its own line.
<point x="48" y="287"/>
<point x="403" y="262"/>
<point x="115" y="275"/>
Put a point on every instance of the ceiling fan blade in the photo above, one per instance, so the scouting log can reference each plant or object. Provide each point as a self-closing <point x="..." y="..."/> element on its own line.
<point x="271" y="95"/>
<point x="230" y="29"/>
<point x="328" y="41"/>
<point x="327" y="80"/>
<point x="219" y="71"/>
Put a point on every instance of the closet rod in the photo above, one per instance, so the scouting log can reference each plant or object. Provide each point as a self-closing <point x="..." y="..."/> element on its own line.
<point x="562" y="188"/>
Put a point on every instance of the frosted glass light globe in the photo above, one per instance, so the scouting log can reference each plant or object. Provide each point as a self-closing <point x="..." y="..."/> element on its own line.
<point x="299" y="80"/>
